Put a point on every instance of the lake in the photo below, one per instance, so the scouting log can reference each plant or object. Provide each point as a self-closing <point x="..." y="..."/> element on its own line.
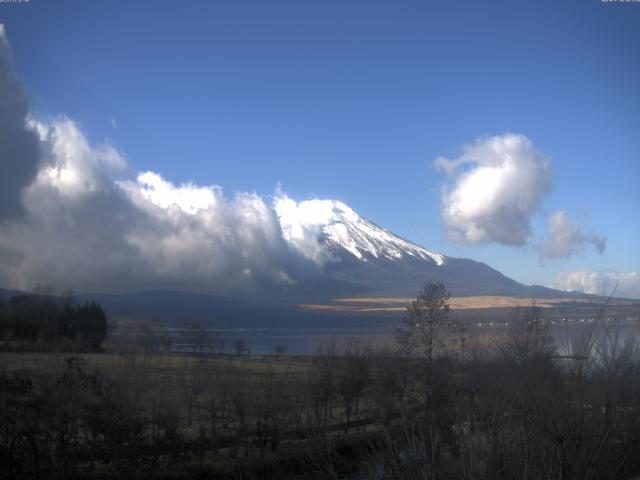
<point x="307" y="341"/>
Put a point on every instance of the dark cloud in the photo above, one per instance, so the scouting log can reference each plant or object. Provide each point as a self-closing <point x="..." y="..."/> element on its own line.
<point x="19" y="146"/>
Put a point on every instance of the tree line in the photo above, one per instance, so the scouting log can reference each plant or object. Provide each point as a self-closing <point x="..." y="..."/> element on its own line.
<point x="51" y="323"/>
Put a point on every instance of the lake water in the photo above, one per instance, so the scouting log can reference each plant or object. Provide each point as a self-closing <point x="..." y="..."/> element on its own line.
<point x="307" y="341"/>
<point x="304" y="341"/>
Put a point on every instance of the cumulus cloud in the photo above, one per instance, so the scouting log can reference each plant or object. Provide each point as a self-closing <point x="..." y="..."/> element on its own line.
<point x="599" y="283"/>
<point x="85" y="229"/>
<point x="302" y="225"/>
<point x="71" y="231"/>
<point x="566" y="237"/>
<point x="198" y="232"/>
<point x="19" y="147"/>
<point x="84" y="222"/>
<point x="495" y="187"/>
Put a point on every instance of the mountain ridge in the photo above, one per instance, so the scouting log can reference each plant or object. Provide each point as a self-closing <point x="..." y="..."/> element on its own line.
<point x="353" y="256"/>
<point x="357" y="251"/>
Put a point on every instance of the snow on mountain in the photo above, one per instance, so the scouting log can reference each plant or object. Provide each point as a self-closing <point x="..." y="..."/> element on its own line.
<point x="319" y="228"/>
<point x="357" y="252"/>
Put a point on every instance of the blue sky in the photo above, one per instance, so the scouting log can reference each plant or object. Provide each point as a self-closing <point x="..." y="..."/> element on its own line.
<point x="355" y="100"/>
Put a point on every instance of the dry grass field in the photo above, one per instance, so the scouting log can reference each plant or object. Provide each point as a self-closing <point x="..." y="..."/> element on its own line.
<point x="399" y="304"/>
<point x="114" y="363"/>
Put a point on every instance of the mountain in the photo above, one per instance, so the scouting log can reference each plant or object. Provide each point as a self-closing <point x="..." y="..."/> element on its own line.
<point x="176" y="308"/>
<point x="179" y="308"/>
<point x="364" y="256"/>
<point x="354" y="257"/>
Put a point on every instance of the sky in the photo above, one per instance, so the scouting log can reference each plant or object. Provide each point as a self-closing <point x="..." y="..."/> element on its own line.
<point x="506" y="132"/>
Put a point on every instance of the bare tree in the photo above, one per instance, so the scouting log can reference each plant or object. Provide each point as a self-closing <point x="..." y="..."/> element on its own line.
<point x="279" y="349"/>
<point x="240" y="346"/>
<point x="529" y="337"/>
<point x="197" y="337"/>
<point x="423" y="335"/>
<point x="426" y="322"/>
<point x="390" y="380"/>
<point x="191" y="378"/>
<point x="354" y="375"/>
<point x="321" y="385"/>
<point x="217" y="401"/>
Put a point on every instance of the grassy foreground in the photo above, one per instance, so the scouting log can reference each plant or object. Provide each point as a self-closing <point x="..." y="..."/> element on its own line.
<point x="517" y="407"/>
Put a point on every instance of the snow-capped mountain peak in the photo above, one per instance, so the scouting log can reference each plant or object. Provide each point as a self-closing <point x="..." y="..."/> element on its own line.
<point x="320" y="227"/>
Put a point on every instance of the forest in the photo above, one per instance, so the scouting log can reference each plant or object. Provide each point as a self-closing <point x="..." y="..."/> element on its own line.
<point x="47" y="322"/>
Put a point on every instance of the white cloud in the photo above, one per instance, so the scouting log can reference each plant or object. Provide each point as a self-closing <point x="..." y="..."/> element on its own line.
<point x="150" y="190"/>
<point x="302" y="224"/>
<point x="75" y="218"/>
<point x="566" y="237"/>
<point x="197" y="233"/>
<point x="71" y="233"/>
<point x="85" y="229"/>
<point x="599" y="283"/>
<point x="69" y="164"/>
<point x="496" y="186"/>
